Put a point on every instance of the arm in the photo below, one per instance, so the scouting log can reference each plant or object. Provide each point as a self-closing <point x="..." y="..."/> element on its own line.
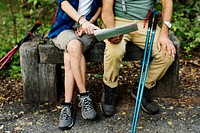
<point x="107" y="13"/>
<point x="164" y="43"/>
<point x="80" y="31"/>
<point x="87" y="27"/>
<point x="96" y="15"/>
<point x="66" y="7"/>
<point x="109" y="18"/>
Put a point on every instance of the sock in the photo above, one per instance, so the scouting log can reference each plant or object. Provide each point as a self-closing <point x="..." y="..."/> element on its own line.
<point x="67" y="103"/>
<point x="84" y="94"/>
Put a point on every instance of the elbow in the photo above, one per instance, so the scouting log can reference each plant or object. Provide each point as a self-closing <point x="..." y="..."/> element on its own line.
<point x="63" y="4"/>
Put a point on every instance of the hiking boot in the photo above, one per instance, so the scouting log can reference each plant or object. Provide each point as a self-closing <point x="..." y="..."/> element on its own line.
<point x="148" y="105"/>
<point x="108" y="101"/>
<point x="87" y="109"/>
<point x="66" y="119"/>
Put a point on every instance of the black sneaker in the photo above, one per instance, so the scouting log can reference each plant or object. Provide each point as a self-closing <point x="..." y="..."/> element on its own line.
<point x="87" y="109"/>
<point x="108" y="101"/>
<point x="66" y="119"/>
<point x="148" y="105"/>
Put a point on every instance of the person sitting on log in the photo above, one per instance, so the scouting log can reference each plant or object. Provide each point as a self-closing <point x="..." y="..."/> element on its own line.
<point x="163" y="51"/>
<point x="72" y="31"/>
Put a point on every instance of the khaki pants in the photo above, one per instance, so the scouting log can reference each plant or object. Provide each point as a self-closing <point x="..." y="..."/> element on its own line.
<point x="114" y="54"/>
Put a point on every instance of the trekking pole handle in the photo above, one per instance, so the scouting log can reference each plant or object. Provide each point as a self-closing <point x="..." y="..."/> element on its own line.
<point x="155" y="21"/>
<point x="38" y="23"/>
<point x="150" y="20"/>
<point x="7" y="57"/>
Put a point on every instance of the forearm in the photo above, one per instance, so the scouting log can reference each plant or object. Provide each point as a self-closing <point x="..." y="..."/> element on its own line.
<point x="66" y="7"/>
<point x="96" y="15"/>
<point x="167" y="9"/>
<point x="107" y="13"/>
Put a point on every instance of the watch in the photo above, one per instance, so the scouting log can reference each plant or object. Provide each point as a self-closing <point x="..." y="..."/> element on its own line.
<point x="168" y="24"/>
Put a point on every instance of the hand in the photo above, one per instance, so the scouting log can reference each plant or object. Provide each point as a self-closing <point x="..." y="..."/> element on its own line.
<point x="79" y="31"/>
<point x="166" y="46"/>
<point x="89" y="28"/>
<point x="116" y="39"/>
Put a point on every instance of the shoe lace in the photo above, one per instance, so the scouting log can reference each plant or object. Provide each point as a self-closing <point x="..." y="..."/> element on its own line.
<point x="66" y="113"/>
<point x="85" y="103"/>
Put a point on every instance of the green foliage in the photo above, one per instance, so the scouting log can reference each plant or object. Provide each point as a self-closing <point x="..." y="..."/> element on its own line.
<point x="186" y="24"/>
<point x="15" y="25"/>
<point x="39" y="9"/>
<point x="2" y="6"/>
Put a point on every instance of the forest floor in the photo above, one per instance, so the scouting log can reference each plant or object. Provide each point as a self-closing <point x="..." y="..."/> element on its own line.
<point x="177" y="115"/>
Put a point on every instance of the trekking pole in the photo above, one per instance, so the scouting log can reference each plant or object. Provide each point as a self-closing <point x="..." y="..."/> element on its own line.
<point x="144" y="69"/>
<point x="7" y="57"/>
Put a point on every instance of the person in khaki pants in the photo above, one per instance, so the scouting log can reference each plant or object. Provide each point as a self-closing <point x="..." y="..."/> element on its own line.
<point x="163" y="51"/>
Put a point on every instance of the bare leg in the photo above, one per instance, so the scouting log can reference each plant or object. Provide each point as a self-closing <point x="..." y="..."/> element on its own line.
<point x="77" y="61"/>
<point x="83" y="69"/>
<point x="69" y="79"/>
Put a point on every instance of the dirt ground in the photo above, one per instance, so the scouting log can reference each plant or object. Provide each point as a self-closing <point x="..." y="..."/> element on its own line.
<point x="180" y="115"/>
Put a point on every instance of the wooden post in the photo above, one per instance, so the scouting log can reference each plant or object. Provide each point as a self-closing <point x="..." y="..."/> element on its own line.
<point x="29" y="68"/>
<point x="168" y="86"/>
<point x="40" y="80"/>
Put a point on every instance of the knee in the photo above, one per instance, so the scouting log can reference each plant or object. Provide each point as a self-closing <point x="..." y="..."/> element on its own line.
<point x="115" y="53"/>
<point x="165" y="59"/>
<point x="169" y="60"/>
<point x="74" y="47"/>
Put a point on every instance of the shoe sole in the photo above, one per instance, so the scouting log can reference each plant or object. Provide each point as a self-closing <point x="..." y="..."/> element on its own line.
<point x="143" y="108"/>
<point x="68" y="127"/>
<point x="101" y="108"/>
<point x="89" y="118"/>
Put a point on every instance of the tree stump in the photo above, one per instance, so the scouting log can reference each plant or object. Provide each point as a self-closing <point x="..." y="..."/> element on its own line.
<point x="41" y="71"/>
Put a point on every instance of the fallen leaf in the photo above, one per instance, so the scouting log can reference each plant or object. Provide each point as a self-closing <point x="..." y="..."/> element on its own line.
<point x="169" y="123"/>
<point x="54" y="110"/>
<point x="139" y="127"/>
<point x="123" y="113"/>
<point x="58" y="107"/>
<point x="30" y="123"/>
<point x="18" y="129"/>
<point x="1" y="127"/>
<point x="2" y="98"/>
<point x="21" y="112"/>
<point x="171" y="108"/>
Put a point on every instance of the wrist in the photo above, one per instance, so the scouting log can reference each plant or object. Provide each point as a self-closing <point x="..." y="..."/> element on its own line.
<point x="168" y="24"/>
<point x="81" y="20"/>
<point x="84" y="22"/>
<point x="164" y="32"/>
<point x="92" y="20"/>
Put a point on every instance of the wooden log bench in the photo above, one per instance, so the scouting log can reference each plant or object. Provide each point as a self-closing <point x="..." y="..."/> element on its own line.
<point x="41" y="69"/>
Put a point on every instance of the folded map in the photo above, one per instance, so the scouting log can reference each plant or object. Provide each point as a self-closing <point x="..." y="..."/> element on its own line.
<point x="111" y="32"/>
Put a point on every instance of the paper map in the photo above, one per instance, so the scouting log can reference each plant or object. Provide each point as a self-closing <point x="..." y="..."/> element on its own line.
<point x="111" y="32"/>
